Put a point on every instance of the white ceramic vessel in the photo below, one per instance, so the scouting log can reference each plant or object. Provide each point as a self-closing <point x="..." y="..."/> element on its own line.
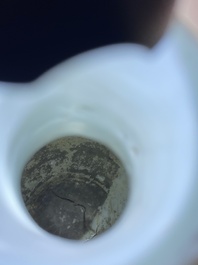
<point x="142" y="104"/>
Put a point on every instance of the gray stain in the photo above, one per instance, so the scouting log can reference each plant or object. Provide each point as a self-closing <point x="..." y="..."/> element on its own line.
<point x="66" y="183"/>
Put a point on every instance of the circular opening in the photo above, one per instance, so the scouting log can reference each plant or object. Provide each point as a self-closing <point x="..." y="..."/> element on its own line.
<point x="75" y="188"/>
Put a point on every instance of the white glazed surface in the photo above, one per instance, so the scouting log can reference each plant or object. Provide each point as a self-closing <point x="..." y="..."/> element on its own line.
<point x="137" y="102"/>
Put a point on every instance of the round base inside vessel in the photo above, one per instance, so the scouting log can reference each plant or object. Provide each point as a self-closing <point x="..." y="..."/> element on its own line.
<point x="75" y="188"/>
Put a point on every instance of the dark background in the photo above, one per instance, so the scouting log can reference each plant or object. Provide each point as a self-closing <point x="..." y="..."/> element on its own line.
<point x="36" y="35"/>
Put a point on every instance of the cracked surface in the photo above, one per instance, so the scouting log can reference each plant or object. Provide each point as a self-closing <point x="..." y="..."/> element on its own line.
<point x="66" y="184"/>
